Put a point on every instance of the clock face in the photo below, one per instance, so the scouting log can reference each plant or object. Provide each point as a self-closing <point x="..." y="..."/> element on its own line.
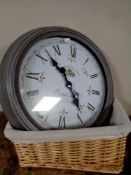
<point x="61" y="84"/>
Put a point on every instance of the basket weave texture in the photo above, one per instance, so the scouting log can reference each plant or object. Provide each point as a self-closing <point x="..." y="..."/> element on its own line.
<point x="99" y="155"/>
<point x="100" y="149"/>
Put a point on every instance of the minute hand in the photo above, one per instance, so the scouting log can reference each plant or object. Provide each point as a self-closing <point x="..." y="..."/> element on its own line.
<point x="74" y="94"/>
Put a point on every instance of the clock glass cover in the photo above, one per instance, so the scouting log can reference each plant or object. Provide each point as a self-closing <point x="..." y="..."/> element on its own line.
<point x="61" y="84"/>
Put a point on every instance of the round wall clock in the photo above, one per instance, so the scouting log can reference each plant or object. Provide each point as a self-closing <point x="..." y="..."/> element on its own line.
<point x="55" y="78"/>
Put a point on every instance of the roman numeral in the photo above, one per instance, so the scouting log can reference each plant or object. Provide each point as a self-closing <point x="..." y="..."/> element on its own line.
<point x="79" y="119"/>
<point x="57" y="49"/>
<point x="32" y="75"/>
<point x="91" y="107"/>
<point x="45" y="118"/>
<point x="95" y="92"/>
<point x="86" y="61"/>
<point x="62" y="122"/>
<point x="32" y="93"/>
<point x="40" y="116"/>
<point x="38" y="55"/>
<point x="94" y="75"/>
<point x="73" y="51"/>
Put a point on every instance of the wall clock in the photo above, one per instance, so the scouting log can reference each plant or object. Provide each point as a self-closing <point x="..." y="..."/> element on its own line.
<point x="55" y="78"/>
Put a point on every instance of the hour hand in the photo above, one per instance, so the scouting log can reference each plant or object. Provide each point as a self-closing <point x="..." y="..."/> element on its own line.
<point x="55" y="64"/>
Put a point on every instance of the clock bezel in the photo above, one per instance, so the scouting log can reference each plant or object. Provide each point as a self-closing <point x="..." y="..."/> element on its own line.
<point x="20" y="47"/>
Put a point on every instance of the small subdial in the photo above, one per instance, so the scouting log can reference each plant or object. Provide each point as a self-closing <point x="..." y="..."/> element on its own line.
<point x="71" y="72"/>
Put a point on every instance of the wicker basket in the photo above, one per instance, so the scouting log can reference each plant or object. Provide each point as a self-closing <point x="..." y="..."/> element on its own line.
<point x="98" y="149"/>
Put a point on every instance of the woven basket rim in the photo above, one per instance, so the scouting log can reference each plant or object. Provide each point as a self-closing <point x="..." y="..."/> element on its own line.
<point x="120" y="125"/>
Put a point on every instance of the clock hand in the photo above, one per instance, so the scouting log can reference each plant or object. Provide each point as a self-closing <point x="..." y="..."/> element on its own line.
<point x="74" y="94"/>
<point x="54" y="63"/>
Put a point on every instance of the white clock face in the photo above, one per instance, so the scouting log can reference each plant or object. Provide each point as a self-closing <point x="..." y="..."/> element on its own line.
<point x="61" y="84"/>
